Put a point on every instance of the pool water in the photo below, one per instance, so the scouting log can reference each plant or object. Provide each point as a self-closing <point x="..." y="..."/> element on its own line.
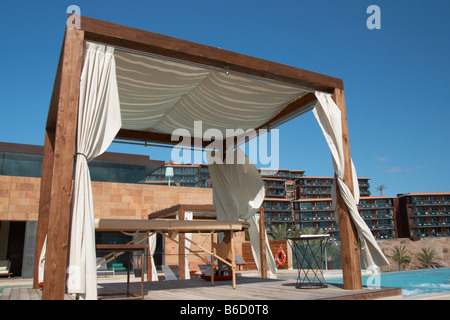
<point x="413" y="283"/>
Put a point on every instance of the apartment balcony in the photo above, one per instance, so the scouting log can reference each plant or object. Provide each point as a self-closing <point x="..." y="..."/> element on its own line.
<point x="381" y="227"/>
<point x="325" y="208"/>
<point x="277" y="208"/>
<point x="434" y="213"/>
<point x="276" y="194"/>
<point x="328" y="192"/>
<point x="275" y="186"/>
<point x="375" y="206"/>
<point x="431" y="202"/>
<point x="279" y="219"/>
<point x="317" y="184"/>
<point x="312" y="219"/>
<point x="432" y="224"/>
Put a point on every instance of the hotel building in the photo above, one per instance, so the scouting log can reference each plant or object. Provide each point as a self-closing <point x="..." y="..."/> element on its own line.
<point x="184" y="175"/>
<point x="320" y="187"/>
<point x="422" y="215"/>
<point x="377" y="212"/>
<point x="279" y="196"/>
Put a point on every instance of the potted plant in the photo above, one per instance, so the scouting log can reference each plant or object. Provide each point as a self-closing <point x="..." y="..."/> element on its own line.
<point x="137" y="266"/>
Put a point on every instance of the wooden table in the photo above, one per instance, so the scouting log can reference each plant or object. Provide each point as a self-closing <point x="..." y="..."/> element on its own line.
<point x="127" y="248"/>
<point x="310" y="260"/>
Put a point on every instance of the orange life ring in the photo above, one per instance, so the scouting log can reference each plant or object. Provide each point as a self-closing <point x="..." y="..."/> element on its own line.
<point x="281" y="257"/>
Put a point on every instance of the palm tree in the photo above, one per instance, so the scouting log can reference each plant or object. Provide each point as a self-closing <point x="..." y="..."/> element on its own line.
<point x="311" y="231"/>
<point x="399" y="255"/>
<point x="381" y="188"/>
<point x="426" y="258"/>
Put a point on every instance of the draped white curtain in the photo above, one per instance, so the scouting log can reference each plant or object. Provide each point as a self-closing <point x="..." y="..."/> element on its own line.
<point x="238" y="192"/>
<point x="188" y="215"/>
<point x="99" y="121"/>
<point x="152" y="249"/>
<point x="253" y="232"/>
<point x="328" y="116"/>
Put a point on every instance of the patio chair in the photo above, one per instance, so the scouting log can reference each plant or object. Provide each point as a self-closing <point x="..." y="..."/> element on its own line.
<point x="5" y="266"/>
<point x="170" y="272"/>
<point x="103" y="269"/>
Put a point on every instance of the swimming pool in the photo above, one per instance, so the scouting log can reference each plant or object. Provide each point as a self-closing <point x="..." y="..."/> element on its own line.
<point x="413" y="283"/>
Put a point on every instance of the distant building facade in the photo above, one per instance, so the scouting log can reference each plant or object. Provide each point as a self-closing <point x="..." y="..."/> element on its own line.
<point x="422" y="215"/>
<point x="377" y="212"/>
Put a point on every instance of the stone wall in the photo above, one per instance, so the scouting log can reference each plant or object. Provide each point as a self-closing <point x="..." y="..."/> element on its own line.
<point x="19" y="198"/>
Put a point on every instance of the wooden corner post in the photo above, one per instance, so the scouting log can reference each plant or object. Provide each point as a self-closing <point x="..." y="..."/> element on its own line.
<point x="56" y="187"/>
<point x="351" y="264"/>
<point x="262" y="243"/>
<point x="181" y="249"/>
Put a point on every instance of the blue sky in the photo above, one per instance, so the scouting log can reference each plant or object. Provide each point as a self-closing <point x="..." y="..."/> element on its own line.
<point x="396" y="79"/>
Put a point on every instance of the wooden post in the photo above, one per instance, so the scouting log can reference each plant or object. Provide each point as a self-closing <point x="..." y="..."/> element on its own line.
<point x="262" y="243"/>
<point x="181" y="249"/>
<point x="213" y="250"/>
<point x="233" y="259"/>
<point x="63" y="156"/>
<point x="351" y="264"/>
<point x="44" y="200"/>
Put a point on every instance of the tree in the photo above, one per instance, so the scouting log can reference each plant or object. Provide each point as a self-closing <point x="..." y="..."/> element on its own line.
<point x="381" y="188"/>
<point x="311" y="231"/>
<point x="400" y="255"/>
<point x="426" y="258"/>
<point x="278" y="232"/>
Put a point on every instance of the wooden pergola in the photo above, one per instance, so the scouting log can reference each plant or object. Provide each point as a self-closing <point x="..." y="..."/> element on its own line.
<point x="60" y="133"/>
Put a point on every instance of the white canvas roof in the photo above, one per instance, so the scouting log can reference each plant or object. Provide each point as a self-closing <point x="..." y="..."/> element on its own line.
<point x="161" y="95"/>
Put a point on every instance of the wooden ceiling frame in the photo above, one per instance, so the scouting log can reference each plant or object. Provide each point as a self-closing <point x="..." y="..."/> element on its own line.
<point x="60" y="133"/>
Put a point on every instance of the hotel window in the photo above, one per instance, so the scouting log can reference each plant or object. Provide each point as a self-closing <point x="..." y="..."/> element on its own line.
<point x="305" y="205"/>
<point x="307" y="215"/>
<point x="322" y="214"/>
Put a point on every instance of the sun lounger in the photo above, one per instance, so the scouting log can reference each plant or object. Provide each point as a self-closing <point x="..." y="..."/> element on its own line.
<point x="5" y="266"/>
<point x="103" y="269"/>
<point x="170" y="272"/>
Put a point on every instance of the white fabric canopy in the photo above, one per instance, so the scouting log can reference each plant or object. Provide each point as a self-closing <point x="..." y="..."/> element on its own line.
<point x="328" y="115"/>
<point x="161" y="96"/>
<point x="238" y="193"/>
<point x="98" y="123"/>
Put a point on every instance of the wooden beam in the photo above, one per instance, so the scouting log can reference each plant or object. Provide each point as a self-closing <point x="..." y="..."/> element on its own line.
<point x="351" y="264"/>
<point x="155" y="137"/>
<point x="61" y="179"/>
<point x="291" y="109"/>
<point x="149" y="42"/>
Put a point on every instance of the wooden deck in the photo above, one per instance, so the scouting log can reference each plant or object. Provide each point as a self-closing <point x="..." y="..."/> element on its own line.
<point x="248" y="288"/>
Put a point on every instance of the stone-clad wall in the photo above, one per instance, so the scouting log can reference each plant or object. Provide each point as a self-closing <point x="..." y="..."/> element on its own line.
<point x="19" y="198"/>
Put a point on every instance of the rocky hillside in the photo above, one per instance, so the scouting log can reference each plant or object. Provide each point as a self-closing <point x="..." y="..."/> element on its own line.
<point x="440" y="245"/>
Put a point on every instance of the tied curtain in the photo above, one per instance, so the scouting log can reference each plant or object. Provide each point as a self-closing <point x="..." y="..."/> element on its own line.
<point x="238" y="193"/>
<point x="328" y="116"/>
<point x="99" y="120"/>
